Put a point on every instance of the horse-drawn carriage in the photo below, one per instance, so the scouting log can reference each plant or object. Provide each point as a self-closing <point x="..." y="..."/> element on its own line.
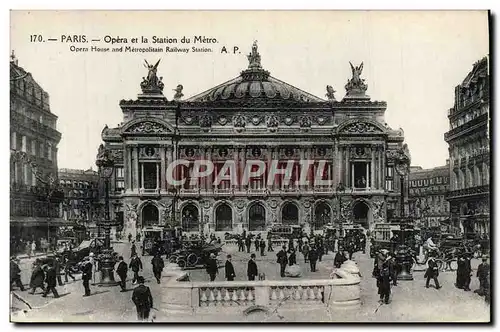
<point x="194" y="253"/>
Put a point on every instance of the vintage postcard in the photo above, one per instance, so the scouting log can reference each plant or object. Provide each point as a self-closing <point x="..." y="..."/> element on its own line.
<point x="249" y="166"/>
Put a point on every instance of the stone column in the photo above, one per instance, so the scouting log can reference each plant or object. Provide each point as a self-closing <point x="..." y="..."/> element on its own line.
<point x="135" y="180"/>
<point x="371" y="183"/>
<point x="126" y="166"/>
<point x="163" y="168"/>
<point x="346" y="160"/>
<point x="210" y="180"/>
<point x="335" y="165"/>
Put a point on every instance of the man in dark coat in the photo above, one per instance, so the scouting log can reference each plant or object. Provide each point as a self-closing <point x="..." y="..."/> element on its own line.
<point x="256" y="243"/>
<point x="483" y="271"/>
<point x="292" y="258"/>
<point x="212" y="268"/>
<point x="50" y="280"/>
<point x="282" y="260"/>
<point x="270" y="244"/>
<point x="158" y="266"/>
<point x="461" y="271"/>
<point x="229" y="269"/>
<point x="339" y="259"/>
<point x="262" y="244"/>
<point x="313" y="257"/>
<point x="122" y="270"/>
<point x="57" y="267"/>
<point x="252" y="270"/>
<point x="241" y="244"/>
<point x="432" y="272"/>
<point x="136" y="265"/>
<point x="248" y="243"/>
<point x="384" y="283"/>
<point x="467" y="271"/>
<point x="142" y="299"/>
<point x="350" y="247"/>
<point x="129" y="237"/>
<point x="37" y="277"/>
<point x="87" y="275"/>
<point x="133" y="250"/>
<point x="15" y="274"/>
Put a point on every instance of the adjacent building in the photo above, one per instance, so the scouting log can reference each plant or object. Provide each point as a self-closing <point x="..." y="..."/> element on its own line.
<point x="81" y="195"/>
<point x="254" y="117"/>
<point x="469" y="151"/>
<point x="427" y="195"/>
<point x="34" y="197"/>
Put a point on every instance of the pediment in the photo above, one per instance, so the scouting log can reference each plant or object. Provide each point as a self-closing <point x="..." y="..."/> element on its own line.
<point x="360" y="127"/>
<point x="148" y="127"/>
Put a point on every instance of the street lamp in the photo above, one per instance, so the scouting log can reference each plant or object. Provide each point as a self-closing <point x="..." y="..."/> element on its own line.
<point x="107" y="261"/>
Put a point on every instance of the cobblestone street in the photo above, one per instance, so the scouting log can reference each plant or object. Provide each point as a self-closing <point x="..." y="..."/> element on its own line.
<point x="108" y="304"/>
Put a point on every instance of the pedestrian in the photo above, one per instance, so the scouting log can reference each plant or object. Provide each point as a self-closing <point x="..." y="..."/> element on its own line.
<point x="57" y="267"/>
<point x="50" y="280"/>
<point x="384" y="283"/>
<point x="339" y="259"/>
<point x="142" y="299"/>
<point x="350" y="248"/>
<point x="282" y="260"/>
<point x="321" y="249"/>
<point x="158" y="265"/>
<point x="248" y="243"/>
<point x="252" y="270"/>
<point x="37" y="277"/>
<point x="87" y="274"/>
<point x="138" y="237"/>
<point x="256" y="243"/>
<point x="212" y="268"/>
<point x="292" y="258"/>
<point x="33" y="247"/>
<point x="262" y="245"/>
<point x="229" y="269"/>
<point x="300" y="243"/>
<point x="136" y="265"/>
<point x="133" y="250"/>
<point x="393" y="271"/>
<point x="313" y="257"/>
<point x="467" y="271"/>
<point x="305" y="251"/>
<point x="15" y="273"/>
<point x="129" y="237"/>
<point x="270" y="244"/>
<point x="483" y="271"/>
<point x="363" y="243"/>
<point x="122" y="270"/>
<point x="68" y="263"/>
<point x="28" y="249"/>
<point x="241" y="245"/>
<point x="432" y="272"/>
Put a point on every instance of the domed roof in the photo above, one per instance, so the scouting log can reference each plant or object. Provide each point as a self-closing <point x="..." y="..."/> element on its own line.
<point x="254" y="83"/>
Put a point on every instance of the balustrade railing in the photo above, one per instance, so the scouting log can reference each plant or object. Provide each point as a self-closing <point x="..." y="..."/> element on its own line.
<point x="188" y="297"/>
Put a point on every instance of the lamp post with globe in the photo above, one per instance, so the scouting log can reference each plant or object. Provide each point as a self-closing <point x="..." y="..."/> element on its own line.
<point x="107" y="259"/>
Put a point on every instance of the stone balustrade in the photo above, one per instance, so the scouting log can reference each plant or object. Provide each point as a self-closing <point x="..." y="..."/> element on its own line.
<point x="232" y="298"/>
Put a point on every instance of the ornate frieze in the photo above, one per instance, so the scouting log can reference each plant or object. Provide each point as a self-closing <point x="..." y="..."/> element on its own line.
<point x="239" y="123"/>
<point x="148" y="127"/>
<point x="149" y="152"/>
<point x="288" y="119"/>
<point x="360" y="152"/>
<point x="305" y="123"/>
<point x="256" y="119"/>
<point x="222" y="120"/>
<point x="272" y="123"/>
<point x="206" y="121"/>
<point x="360" y="128"/>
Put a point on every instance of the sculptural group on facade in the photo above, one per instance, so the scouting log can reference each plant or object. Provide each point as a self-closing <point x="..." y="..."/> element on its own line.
<point x="152" y="83"/>
<point x="356" y="85"/>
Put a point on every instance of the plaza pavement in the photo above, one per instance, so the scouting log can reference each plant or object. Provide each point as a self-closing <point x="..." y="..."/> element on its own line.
<point x="410" y="300"/>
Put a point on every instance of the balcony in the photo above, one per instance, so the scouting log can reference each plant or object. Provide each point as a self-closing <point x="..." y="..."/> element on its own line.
<point x="477" y="121"/>
<point x="143" y="192"/>
<point x="480" y="190"/>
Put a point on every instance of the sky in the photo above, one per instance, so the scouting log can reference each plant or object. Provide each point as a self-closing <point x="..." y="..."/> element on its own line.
<point x="412" y="60"/>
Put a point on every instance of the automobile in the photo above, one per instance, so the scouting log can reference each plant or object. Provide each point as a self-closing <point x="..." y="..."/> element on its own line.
<point x="194" y="253"/>
<point x="381" y="237"/>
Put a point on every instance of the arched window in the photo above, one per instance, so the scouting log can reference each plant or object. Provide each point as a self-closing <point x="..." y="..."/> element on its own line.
<point x="150" y="215"/>
<point x="360" y="212"/>
<point x="290" y="214"/>
<point x="322" y="215"/>
<point x="223" y="218"/>
<point x="256" y="217"/>
<point x="190" y="218"/>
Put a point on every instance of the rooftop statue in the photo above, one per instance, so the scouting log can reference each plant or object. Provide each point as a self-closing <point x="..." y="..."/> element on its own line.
<point x="254" y="57"/>
<point x="178" y="92"/>
<point x="356" y="86"/>
<point x="330" y="93"/>
<point x="152" y="84"/>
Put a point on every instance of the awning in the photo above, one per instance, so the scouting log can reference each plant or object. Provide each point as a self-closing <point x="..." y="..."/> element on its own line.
<point x="16" y="221"/>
